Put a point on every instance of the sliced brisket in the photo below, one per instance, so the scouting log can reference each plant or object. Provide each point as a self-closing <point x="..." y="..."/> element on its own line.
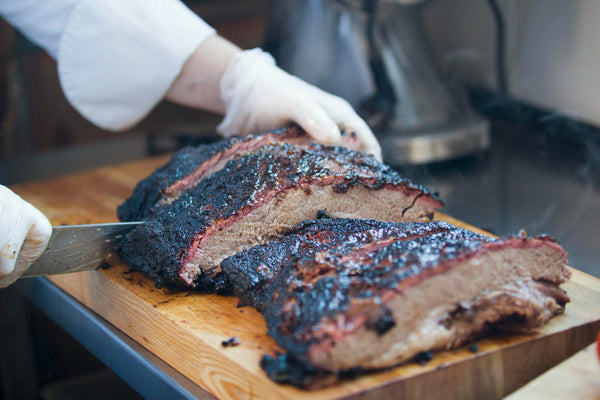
<point x="258" y="196"/>
<point x="344" y="295"/>
<point x="190" y="165"/>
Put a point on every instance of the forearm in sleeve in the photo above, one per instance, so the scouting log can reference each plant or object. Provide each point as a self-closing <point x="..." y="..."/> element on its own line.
<point x="116" y="58"/>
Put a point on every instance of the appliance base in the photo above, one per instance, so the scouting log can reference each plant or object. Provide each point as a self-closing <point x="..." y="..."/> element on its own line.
<point x="422" y="146"/>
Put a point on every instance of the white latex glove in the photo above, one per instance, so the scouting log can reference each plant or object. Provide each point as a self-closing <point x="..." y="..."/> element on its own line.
<point x="259" y="96"/>
<point x="24" y="234"/>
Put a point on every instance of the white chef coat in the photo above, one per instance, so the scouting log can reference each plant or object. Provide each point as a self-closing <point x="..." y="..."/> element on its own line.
<point x="116" y="58"/>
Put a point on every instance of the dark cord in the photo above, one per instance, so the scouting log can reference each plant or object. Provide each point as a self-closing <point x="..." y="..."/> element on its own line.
<point x="500" y="43"/>
<point x="370" y="7"/>
<point x="378" y="108"/>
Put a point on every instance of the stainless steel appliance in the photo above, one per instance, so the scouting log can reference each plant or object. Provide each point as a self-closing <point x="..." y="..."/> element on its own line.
<point x="375" y="55"/>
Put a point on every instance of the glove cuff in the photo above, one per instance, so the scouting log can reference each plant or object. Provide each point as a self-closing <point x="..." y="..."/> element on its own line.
<point x="236" y="88"/>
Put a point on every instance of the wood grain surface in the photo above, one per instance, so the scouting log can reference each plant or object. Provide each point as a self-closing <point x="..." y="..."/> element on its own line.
<point x="186" y="328"/>
<point x="578" y="378"/>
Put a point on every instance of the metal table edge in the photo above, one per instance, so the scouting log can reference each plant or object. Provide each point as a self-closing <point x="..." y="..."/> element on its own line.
<point x="147" y="374"/>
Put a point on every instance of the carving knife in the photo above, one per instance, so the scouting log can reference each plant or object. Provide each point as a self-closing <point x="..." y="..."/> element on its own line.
<point x="74" y="248"/>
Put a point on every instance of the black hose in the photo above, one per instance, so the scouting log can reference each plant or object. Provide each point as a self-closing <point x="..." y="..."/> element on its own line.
<point x="384" y="98"/>
<point x="500" y="43"/>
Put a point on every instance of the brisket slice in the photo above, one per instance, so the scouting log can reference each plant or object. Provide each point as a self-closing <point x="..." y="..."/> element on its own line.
<point x="190" y="165"/>
<point x="352" y="295"/>
<point x="259" y="196"/>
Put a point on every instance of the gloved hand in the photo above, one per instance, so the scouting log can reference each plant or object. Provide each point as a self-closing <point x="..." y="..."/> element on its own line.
<point x="260" y="96"/>
<point x="24" y="234"/>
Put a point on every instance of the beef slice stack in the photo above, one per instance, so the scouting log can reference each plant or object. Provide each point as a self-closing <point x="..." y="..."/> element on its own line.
<point x="210" y="202"/>
<point x="347" y="295"/>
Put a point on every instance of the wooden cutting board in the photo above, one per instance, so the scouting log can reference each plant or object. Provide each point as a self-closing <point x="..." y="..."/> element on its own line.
<point x="186" y="328"/>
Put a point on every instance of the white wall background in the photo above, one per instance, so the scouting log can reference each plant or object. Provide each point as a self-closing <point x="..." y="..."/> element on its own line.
<point x="553" y="49"/>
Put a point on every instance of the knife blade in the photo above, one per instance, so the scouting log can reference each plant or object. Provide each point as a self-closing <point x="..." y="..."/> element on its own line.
<point x="74" y="248"/>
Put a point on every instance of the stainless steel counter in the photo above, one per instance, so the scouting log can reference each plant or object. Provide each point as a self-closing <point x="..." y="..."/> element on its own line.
<point x="536" y="181"/>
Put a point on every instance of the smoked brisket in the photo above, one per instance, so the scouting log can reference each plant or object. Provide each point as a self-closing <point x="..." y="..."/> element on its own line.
<point x="190" y="165"/>
<point x="343" y="295"/>
<point x="256" y="197"/>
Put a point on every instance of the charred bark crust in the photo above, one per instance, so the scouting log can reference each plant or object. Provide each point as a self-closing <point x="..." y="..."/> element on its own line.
<point x="330" y="271"/>
<point x="149" y="192"/>
<point x="339" y="266"/>
<point x="159" y="246"/>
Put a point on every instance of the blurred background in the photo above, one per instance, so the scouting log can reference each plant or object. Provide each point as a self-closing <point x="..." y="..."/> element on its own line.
<point x="495" y="104"/>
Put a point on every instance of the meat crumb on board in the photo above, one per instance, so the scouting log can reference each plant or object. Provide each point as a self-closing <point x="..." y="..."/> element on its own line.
<point x="231" y="342"/>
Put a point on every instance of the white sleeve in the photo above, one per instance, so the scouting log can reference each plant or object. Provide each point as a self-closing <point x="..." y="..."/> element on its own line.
<point x="42" y="21"/>
<point x="117" y="58"/>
